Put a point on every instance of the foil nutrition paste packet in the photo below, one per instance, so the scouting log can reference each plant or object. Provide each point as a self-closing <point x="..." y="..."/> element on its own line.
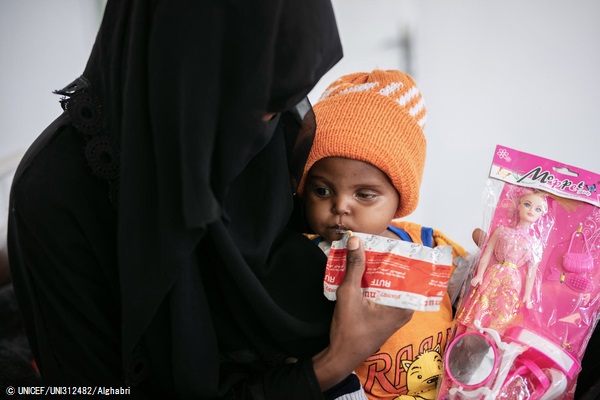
<point x="398" y="274"/>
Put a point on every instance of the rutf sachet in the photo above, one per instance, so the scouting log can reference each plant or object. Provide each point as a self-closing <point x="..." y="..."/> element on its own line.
<point x="398" y="273"/>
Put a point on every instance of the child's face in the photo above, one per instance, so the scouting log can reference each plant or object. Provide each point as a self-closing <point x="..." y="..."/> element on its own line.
<point x="343" y="194"/>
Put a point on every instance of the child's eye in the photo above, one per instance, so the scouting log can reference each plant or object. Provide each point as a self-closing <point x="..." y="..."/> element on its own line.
<point x="366" y="195"/>
<point x="321" y="191"/>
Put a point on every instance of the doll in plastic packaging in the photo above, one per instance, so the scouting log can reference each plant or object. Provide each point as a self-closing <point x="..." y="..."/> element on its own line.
<point x="534" y="299"/>
<point x="498" y="293"/>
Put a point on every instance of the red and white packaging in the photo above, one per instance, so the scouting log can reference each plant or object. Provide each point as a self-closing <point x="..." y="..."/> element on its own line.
<point x="398" y="273"/>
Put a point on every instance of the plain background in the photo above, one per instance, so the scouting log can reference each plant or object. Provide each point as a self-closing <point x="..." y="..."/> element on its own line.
<point x="520" y="73"/>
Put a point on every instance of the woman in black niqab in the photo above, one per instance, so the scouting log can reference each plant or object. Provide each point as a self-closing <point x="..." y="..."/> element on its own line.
<point x="150" y="240"/>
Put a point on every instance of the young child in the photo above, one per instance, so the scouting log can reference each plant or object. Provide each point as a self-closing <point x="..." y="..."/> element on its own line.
<point x="364" y="170"/>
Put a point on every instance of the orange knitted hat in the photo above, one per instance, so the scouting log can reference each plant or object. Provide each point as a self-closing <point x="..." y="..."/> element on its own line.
<point x="376" y="117"/>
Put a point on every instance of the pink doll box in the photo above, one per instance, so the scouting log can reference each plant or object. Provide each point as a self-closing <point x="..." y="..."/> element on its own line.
<point x="566" y="303"/>
<point x="559" y="259"/>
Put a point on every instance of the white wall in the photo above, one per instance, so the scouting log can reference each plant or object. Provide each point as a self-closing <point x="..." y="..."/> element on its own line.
<point x="43" y="46"/>
<point x="522" y="73"/>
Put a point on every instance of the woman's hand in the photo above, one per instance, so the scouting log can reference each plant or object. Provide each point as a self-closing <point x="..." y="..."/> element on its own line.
<point x="359" y="326"/>
<point x="478" y="236"/>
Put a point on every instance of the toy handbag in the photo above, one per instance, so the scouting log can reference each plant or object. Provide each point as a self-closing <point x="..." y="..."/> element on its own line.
<point x="579" y="263"/>
<point x="576" y="266"/>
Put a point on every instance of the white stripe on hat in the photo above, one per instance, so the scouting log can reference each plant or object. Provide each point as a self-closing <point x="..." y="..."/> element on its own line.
<point x="360" y="88"/>
<point x="327" y="92"/>
<point x="391" y="88"/>
<point x="417" y="108"/>
<point x="408" y="96"/>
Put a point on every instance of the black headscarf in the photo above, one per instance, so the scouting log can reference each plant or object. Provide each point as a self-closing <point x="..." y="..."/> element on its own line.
<point x="204" y="186"/>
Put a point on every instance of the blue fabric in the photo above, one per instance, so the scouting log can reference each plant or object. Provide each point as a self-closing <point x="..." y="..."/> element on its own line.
<point x="401" y="233"/>
<point x="426" y="235"/>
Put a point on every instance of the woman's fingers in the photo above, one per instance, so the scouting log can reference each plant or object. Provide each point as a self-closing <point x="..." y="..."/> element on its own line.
<point x="375" y="321"/>
<point x="359" y="326"/>
<point x="355" y="263"/>
<point x="478" y="236"/>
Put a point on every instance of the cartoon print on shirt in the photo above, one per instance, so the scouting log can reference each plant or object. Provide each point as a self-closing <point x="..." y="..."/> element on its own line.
<point x="409" y="365"/>
<point x="422" y="375"/>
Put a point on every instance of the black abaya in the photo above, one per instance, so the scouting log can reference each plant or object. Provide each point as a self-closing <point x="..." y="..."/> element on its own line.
<point x="149" y="235"/>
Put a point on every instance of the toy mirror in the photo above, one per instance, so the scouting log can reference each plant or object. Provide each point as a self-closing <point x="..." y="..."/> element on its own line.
<point x="471" y="360"/>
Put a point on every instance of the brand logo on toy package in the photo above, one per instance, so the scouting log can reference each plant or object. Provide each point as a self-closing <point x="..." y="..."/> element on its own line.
<point x="551" y="181"/>
<point x="528" y="170"/>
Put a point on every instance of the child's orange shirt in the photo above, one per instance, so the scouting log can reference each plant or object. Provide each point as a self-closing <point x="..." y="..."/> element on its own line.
<point x="410" y="364"/>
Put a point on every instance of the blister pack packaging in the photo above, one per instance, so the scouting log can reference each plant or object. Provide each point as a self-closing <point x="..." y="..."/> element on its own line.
<point x="533" y="298"/>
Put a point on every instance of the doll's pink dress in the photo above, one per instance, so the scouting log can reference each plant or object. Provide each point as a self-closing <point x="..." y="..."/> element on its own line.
<point x="498" y="298"/>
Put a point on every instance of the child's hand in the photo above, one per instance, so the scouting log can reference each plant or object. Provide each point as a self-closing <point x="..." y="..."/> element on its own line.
<point x="478" y="236"/>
